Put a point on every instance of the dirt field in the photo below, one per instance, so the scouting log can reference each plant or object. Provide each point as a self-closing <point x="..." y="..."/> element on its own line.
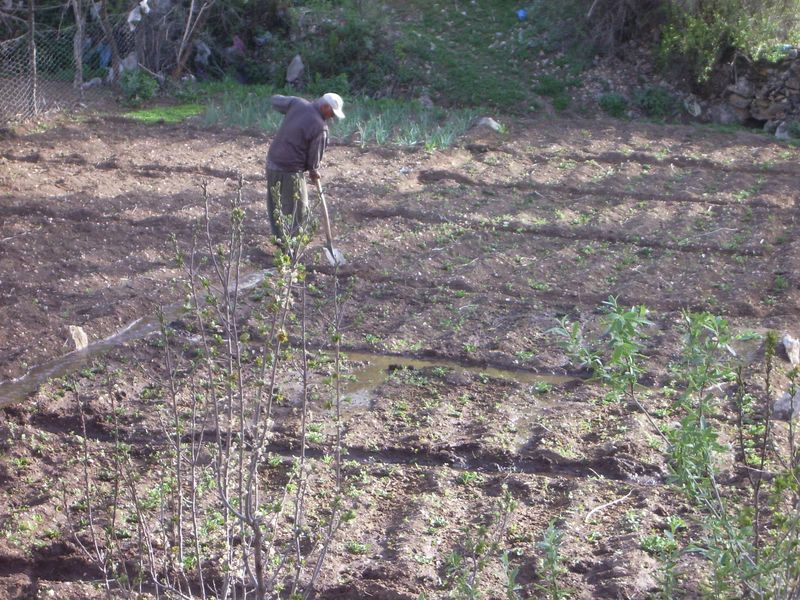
<point x="470" y="255"/>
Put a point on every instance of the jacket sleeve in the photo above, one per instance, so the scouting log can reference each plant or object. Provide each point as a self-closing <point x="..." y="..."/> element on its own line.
<point x="316" y="149"/>
<point x="281" y="103"/>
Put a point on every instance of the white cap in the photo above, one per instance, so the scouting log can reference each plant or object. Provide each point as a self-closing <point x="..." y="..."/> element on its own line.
<point x="335" y="102"/>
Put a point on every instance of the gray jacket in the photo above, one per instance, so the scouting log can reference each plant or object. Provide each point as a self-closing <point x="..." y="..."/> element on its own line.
<point x="301" y="139"/>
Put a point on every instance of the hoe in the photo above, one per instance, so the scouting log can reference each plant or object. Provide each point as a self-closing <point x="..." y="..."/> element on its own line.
<point x="334" y="255"/>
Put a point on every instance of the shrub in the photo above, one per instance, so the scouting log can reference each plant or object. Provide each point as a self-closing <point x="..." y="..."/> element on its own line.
<point x="656" y="102"/>
<point x="794" y="129"/>
<point x="609" y="24"/>
<point x="318" y="85"/>
<point x="354" y="45"/>
<point x="748" y="530"/>
<point x="138" y="87"/>
<point x="588" y="27"/>
<point x="190" y="506"/>
<point x="614" y="104"/>
<point x="259" y="72"/>
<point x="701" y="34"/>
<point x="345" y="38"/>
<point x="556" y="89"/>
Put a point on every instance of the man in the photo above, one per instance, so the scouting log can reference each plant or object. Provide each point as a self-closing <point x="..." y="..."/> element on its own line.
<point x="298" y="147"/>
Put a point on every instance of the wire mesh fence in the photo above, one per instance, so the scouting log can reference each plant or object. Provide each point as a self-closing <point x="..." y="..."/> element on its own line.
<point x="40" y="72"/>
<point x="17" y="79"/>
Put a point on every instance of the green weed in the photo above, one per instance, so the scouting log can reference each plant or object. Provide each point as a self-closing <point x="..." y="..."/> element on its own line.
<point x="551" y="567"/>
<point x="357" y="548"/>
<point x="555" y="88"/>
<point x="166" y="114"/>
<point x="614" y="104"/>
<point x="137" y="87"/>
<point x="749" y="532"/>
<point x="480" y="546"/>
<point x="780" y="283"/>
<point x="698" y="36"/>
<point x="469" y="478"/>
<point x="656" y="102"/>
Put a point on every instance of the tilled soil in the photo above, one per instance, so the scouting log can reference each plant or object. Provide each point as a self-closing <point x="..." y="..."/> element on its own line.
<point x="470" y="254"/>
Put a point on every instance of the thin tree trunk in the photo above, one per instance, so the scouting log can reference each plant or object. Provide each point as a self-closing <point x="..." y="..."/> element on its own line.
<point x="139" y="40"/>
<point x="32" y="56"/>
<point x="77" y="44"/>
<point x="112" y="41"/>
<point x="189" y="33"/>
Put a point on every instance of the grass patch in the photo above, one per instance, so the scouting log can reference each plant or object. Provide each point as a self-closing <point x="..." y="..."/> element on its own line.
<point x="556" y="88"/>
<point x="205" y="91"/>
<point x="473" y="67"/>
<point x="656" y="102"/>
<point x="475" y="54"/>
<point x="166" y="114"/>
<point x="614" y="104"/>
<point x="244" y="108"/>
<point x="404" y="123"/>
<point x="384" y="122"/>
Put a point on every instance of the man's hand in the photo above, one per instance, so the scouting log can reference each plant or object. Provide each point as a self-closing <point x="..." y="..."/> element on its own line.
<point x="314" y="176"/>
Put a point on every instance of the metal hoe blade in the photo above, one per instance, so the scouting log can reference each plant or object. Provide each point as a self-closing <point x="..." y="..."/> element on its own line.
<point x="334" y="255"/>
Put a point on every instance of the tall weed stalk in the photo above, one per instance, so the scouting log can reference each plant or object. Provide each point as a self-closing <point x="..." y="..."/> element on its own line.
<point x="478" y="548"/>
<point x="749" y="527"/>
<point x="218" y="512"/>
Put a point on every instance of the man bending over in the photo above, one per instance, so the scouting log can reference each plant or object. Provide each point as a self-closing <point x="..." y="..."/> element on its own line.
<point x="297" y="147"/>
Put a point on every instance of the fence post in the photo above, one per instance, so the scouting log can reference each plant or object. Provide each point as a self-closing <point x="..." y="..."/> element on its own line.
<point x="32" y="55"/>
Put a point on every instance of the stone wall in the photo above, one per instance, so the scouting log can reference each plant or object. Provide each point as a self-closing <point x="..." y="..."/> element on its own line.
<point x="766" y="94"/>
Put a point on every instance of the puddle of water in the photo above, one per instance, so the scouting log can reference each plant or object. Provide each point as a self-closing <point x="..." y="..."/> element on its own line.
<point x="15" y="390"/>
<point x="359" y="393"/>
<point x="376" y="370"/>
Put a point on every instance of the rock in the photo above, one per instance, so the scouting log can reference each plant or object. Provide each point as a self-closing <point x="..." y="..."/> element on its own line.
<point x="692" y="107"/>
<point x="94" y="82"/>
<point x="791" y="345"/>
<point x="295" y="70"/>
<point x="489" y="123"/>
<point x="202" y="53"/>
<point x="738" y="101"/>
<point x="771" y="126"/>
<point x="79" y="338"/>
<point x="134" y="17"/>
<point x="725" y="114"/>
<point x="129" y="63"/>
<point x="458" y="377"/>
<point x="782" y="131"/>
<point x="264" y="38"/>
<point x="743" y="87"/>
<point x="425" y="101"/>
<point x="771" y="110"/>
<point x="786" y="406"/>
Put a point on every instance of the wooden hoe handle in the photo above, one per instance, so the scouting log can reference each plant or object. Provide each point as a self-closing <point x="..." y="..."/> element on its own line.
<point x="325" y="214"/>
